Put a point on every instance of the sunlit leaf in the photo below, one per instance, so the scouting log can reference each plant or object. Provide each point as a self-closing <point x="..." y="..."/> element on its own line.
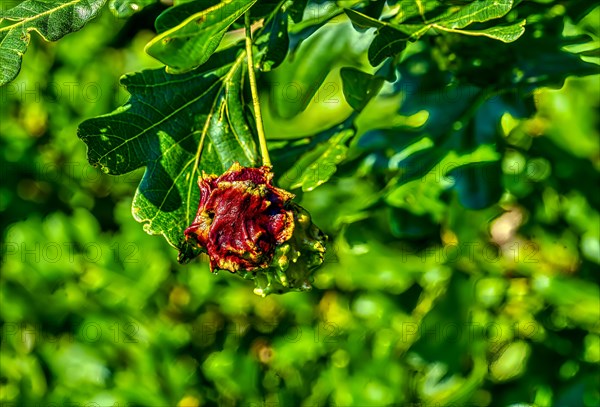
<point x="475" y="12"/>
<point x="161" y="127"/>
<point x="51" y="19"/>
<point x="505" y="33"/>
<point x="189" y="43"/>
<point x="392" y="36"/>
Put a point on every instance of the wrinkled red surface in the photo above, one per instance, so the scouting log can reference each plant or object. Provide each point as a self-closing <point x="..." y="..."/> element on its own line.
<point x="241" y="218"/>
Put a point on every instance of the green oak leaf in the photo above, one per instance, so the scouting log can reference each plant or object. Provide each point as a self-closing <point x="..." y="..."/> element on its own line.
<point x="477" y="11"/>
<point x="387" y="43"/>
<point x="163" y="126"/>
<point x="392" y="36"/>
<point x="51" y="19"/>
<point x="505" y="33"/>
<point x="359" y="87"/>
<point x="187" y="37"/>
<point x="316" y="166"/>
<point x="390" y="39"/>
<point x="363" y="21"/>
<point x="172" y="17"/>
<point x="275" y="43"/>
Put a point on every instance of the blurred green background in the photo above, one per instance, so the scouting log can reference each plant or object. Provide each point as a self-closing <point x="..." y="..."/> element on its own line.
<point x="421" y="302"/>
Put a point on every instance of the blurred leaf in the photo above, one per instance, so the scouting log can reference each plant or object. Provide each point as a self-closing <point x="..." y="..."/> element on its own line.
<point x="360" y="20"/>
<point x="296" y="10"/>
<point x="579" y="300"/>
<point x="127" y="8"/>
<point x="425" y="191"/>
<point x="478" y="186"/>
<point x="318" y="165"/>
<point x="405" y="225"/>
<point x="276" y="41"/>
<point x="359" y="87"/>
<point x="548" y="64"/>
<point x="387" y="43"/>
<point x="303" y="72"/>
<point x="51" y="19"/>
<point x="162" y="127"/>
<point x="578" y="9"/>
<point x="188" y="44"/>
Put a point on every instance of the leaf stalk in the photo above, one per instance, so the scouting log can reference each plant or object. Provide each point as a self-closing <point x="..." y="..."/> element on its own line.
<point x="264" y="152"/>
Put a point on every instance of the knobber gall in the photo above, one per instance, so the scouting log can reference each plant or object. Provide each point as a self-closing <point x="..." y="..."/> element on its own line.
<point x="252" y="228"/>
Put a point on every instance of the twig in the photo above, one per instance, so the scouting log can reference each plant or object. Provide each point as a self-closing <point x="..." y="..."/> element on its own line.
<point x="264" y="152"/>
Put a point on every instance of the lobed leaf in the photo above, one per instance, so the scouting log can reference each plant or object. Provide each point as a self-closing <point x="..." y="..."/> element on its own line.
<point x="185" y="45"/>
<point x="392" y="36"/>
<point x="163" y="126"/>
<point x="316" y="166"/>
<point x="51" y="19"/>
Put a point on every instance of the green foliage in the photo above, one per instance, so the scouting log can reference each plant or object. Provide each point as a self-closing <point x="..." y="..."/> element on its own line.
<point x="188" y="36"/>
<point x="454" y="173"/>
<point x="51" y="19"/>
<point x="277" y="42"/>
<point x="126" y="8"/>
<point x="406" y="25"/>
<point x="318" y="165"/>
